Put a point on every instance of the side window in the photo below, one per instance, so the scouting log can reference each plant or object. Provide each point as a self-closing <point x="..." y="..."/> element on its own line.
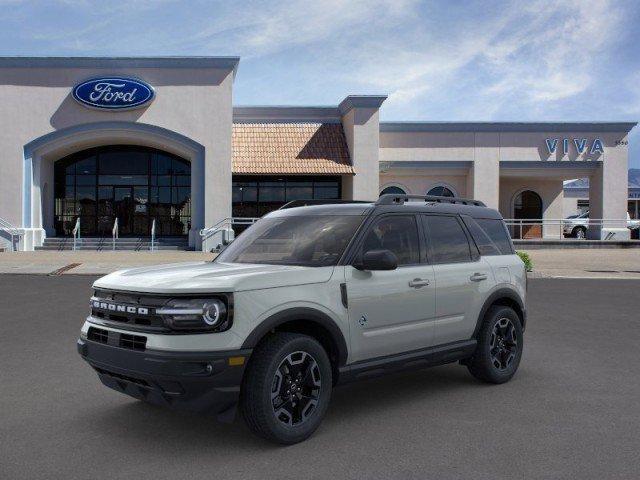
<point x="398" y="234"/>
<point x="497" y="232"/>
<point x="485" y="244"/>
<point x="447" y="239"/>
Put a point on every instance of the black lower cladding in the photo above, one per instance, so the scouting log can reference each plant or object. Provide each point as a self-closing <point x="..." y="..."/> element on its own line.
<point x="202" y="382"/>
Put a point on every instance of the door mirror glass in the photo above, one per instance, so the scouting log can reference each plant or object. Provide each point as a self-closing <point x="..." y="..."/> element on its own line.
<point x="378" y="260"/>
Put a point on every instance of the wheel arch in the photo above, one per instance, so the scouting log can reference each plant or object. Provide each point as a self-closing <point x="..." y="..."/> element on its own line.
<point x="506" y="297"/>
<point x="307" y="321"/>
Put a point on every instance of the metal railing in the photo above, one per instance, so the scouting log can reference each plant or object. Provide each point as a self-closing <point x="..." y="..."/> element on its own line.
<point x="152" y="247"/>
<point x="561" y="228"/>
<point x="12" y="231"/>
<point x="223" y="226"/>
<point x="76" y="234"/>
<point x="229" y="222"/>
<point x="114" y="234"/>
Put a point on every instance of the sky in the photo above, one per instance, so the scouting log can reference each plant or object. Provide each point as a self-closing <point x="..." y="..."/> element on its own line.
<point x="575" y="60"/>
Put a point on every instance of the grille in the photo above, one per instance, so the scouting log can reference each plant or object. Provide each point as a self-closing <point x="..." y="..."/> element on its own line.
<point x="133" y="342"/>
<point x="128" y="311"/>
<point x="119" y="376"/>
<point x="98" y="335"/>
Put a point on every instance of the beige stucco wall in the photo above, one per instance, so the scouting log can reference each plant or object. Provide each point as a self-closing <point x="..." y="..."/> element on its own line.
<point x="195" y="103"/>
<point x="361" y="128"/>
<point x="420" y="184"/>
<point x="505" y="161"/>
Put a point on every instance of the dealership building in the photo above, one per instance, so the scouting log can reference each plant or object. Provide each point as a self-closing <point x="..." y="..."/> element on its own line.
<point x="158" y="141"/>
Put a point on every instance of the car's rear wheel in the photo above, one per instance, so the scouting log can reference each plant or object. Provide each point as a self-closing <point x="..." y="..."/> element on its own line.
<point x="580" y="233"/>
<point x="499" y="349"/>
<point x="287" y="387"/>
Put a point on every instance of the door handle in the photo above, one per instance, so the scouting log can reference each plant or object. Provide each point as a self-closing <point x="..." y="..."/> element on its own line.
<point x="478" y="277"/>
<point x="418" y="283"/>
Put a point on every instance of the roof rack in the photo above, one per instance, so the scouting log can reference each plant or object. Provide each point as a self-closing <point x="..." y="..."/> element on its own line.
<point x="393" y="199"/>
<point x="307" y="203"/>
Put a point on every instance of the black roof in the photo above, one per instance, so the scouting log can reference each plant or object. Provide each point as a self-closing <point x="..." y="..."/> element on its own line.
<point x="354" y="208"/>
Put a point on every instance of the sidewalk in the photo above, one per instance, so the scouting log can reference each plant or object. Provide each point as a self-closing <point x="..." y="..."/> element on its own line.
<point x="94" y="263"/>
<point x="600" y="263"/>
<point x="586" y="263"/>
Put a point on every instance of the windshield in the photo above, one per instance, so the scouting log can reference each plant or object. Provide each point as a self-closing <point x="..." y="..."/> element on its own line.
<point x="312" y="241"/>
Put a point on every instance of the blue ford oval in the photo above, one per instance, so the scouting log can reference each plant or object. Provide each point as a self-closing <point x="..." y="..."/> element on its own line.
<point x="113" y="93"/>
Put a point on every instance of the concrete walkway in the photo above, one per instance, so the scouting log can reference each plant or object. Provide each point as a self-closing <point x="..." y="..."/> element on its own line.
<point x="600" y="263"/>
<point x="48" y="262"/>
<point x="586" y="263"/>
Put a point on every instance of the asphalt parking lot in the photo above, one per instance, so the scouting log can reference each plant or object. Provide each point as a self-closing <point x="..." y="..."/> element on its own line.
<point x="572" y="411"/>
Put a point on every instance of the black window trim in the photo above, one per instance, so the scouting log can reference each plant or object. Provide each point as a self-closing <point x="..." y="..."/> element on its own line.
<point x="354" y="248"/>
<point x="474" y="253"/>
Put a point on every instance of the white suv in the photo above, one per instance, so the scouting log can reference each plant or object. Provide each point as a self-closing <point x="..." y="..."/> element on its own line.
<point x="310" y="297"/>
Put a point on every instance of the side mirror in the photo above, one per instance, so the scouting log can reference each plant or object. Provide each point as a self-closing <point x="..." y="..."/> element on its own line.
<point x="378" y="260"/>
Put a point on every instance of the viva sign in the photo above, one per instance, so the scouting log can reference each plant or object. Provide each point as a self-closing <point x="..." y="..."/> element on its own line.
<point x="113" y="93"/>
<point x="581" y="145"/>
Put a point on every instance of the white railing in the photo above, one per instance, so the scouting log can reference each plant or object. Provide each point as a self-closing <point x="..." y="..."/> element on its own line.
<point x="223" y="227"/>
<point x="76" y="234"/>
<point x="12" y="231"/>
<point x="561" y="228"/>
<point x="114" y="234"/>
<point x="152" y="248"/>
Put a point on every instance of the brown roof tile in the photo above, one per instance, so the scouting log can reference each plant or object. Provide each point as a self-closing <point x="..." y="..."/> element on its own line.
<point x="290" y="148"/>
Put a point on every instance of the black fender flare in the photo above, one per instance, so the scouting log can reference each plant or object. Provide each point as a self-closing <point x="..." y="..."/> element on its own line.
<point x="494" y="297"/>
<point x="300" y="313"/>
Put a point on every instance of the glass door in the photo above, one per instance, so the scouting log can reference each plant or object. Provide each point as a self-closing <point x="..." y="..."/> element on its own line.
<point x="123" y="209"/>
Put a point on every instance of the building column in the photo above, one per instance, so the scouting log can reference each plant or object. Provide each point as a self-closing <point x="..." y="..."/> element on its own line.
<point x="608" y="192"/>
<point x="361" y="125"/>
<point x="483" y="181"/>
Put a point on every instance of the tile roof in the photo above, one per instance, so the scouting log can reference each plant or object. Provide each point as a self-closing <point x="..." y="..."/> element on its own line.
<point x="290" y="148"/>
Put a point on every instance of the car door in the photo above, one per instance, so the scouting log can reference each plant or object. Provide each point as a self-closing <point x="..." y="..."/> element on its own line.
<point x="462" y="277"/>
<point x="391" y="311"/>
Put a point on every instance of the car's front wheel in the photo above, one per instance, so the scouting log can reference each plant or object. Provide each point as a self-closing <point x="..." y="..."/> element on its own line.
<point x="287" y="387"/>
<point x="499" y="348"/>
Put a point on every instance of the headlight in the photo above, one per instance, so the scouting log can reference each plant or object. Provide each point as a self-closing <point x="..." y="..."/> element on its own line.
<point x="207" y="314"/>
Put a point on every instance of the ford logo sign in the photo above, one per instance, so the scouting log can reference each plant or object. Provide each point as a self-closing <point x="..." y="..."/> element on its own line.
<point x="113" y="93"/>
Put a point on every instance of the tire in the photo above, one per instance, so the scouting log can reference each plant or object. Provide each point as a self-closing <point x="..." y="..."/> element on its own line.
<point x="281" y="416"/>
<point x="580" y="232"/>
<point x="499" y="349"/>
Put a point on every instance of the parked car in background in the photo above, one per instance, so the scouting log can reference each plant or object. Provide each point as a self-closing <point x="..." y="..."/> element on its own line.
<point x="576" y="225"/>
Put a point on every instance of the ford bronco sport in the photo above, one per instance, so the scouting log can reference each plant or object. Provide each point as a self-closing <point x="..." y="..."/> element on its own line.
<point x="310" y="297"/>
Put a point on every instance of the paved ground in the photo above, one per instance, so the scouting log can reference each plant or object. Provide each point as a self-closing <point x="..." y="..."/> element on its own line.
<point x="597" y="263"/>
<point x="573" y="410"/>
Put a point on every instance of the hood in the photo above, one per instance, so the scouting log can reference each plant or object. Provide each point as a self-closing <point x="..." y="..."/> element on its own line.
<point x="207" y="277"/>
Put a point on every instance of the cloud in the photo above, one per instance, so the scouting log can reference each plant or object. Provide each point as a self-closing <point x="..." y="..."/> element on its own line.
<point x="536" y="53"/>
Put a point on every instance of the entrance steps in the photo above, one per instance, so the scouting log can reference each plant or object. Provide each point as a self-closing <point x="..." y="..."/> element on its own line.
<point x="142" y="244"/>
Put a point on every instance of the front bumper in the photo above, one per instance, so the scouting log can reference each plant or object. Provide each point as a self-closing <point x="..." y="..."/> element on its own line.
<point x="203" y="382"/>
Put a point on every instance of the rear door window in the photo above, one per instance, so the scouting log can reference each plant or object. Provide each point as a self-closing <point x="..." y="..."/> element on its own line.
<point x="490" y="236"/>
<point x="448" y="243"/>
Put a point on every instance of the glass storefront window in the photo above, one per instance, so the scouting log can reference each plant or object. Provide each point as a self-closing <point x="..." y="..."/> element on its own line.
<point x="133" y="184"/>
<point x="257" y="196"/>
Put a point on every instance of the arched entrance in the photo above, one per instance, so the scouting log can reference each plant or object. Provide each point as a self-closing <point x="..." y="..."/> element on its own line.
<point x="131" y="183"/>
<point x="527" y="205"/>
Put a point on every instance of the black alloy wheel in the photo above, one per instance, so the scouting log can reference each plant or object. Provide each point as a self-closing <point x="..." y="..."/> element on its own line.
<point x="295" y="389"/>
<point x="499" y="347"/>
<point x="504" y="344"/>
<point x="286" y="388"/>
